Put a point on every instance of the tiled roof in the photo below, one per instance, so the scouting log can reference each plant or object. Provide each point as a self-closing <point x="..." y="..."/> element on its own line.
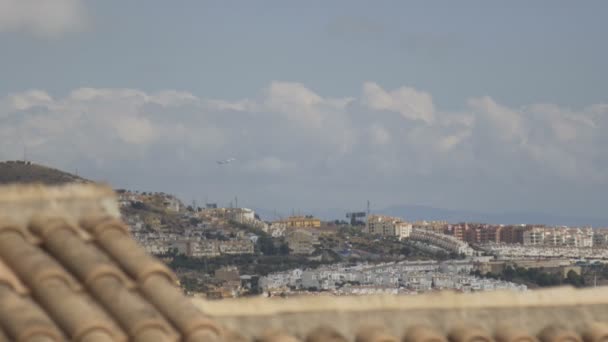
<point x="70" y="271"/>
<point x="561" y="314"/>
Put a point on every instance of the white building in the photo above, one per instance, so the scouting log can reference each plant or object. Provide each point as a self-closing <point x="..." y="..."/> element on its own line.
<point x="387" y="226"/>
<point x="446" y="242"/>
<point x="403" y="230"/>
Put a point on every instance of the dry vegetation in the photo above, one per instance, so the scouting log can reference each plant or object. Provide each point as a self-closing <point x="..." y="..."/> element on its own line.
<point x="27" y="172"/>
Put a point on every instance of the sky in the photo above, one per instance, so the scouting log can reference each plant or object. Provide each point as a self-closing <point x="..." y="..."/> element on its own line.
<point x="468" y="105"/>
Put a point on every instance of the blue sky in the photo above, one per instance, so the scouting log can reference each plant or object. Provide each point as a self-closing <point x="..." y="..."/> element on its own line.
<point x="469" y="105"/>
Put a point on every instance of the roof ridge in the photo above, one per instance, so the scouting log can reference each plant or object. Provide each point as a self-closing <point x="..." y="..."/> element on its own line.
<point x="559" y="296"/>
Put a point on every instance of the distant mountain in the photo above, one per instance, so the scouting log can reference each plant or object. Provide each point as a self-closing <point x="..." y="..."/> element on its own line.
<point x="418" y="212"/>
<point x="27" y="172"/>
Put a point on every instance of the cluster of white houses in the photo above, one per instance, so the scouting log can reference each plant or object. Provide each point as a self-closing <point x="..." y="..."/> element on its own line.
<point x="403" y="277"/>
<point x="505" y="251"/>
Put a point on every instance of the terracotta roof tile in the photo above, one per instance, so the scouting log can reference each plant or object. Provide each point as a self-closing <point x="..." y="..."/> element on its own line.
<point x="555" y="333"/>
<point x="374" y="334"/>
<point x="513" y="334"/>
<point x="22" y="318"/>
<point x="469" y="334"/>
<point x="325" y="334"/>
<point x="596" y="332"/>
<point x="90" y="282"/>
<point x="276" y="336"/>
<point x="423" y="333"/>
<point x="4" y="338"/>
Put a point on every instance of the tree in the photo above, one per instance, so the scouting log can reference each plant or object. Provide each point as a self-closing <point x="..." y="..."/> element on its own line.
<point x="267" y="246"/>
<point x="509" y="273"/>
<point x="139" y="205"/>
<point x="574" y="279"/>
<point x="284" y="249"/>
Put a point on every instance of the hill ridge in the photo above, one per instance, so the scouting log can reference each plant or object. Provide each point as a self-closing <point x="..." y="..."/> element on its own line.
<point x="19" y="171"/>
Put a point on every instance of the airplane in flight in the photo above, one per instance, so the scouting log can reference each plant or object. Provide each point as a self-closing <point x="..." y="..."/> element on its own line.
<point x="226" y="161"/>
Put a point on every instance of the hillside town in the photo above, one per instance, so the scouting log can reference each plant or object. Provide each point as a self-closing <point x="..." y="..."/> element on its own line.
<point x="227" y="252"/>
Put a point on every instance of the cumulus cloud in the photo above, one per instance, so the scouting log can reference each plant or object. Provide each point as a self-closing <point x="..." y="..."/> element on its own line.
<point x="29" y="99"/>
<point x="46" y="18"/>
<point x="301" y="104"/>
<point x="409" y="102"/>
<point x="309" y="143"/>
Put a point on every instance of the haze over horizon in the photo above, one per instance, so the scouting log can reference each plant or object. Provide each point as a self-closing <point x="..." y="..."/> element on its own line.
<point x="471" y="106"/>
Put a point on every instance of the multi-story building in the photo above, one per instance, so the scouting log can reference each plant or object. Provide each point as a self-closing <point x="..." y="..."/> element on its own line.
<point x="600" y="238"/>
<point x="558" y="237"/>
<point x="482" y="233"/>
<point x="444" y="241"/>
<point x="236" y="247"/>
<point x="387" y="226"/>
<point x="534" y="237"/>
<point x="227" y="273"/>
<point x="300" y="222"/>
<point x="205" y="248"/>
<point x="434" y="226"/>
<point x="457" y="230"/>
<point x="513" y="234"/>
<point x="403" y="230"/>
<point x="301" y="241"/>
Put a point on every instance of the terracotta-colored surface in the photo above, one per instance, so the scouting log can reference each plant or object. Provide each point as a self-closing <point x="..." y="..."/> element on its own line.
<point x="70" y="271"/>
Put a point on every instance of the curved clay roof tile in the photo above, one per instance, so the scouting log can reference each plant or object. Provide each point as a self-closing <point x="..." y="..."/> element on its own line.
<point x="8" y="278"/>
<point x="22" y="318"/>
<point x="106" y="282"/>
<point x="374" y="334"/>
<point x="423" y="333"/>
<point x="469" y="334"/>
<point x="596" y="332"/>
<point x="113" y="237"/>
<point x="4" y="338"/>
<point x="554" y="333"/>
<point x="183" y="314"/>
<point x="325" y="334"/>
<point x="276" y="336"/>
<point x="513" y="334"/>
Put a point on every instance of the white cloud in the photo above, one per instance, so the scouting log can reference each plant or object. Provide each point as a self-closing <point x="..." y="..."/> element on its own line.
<point x="46" y="18"/>
<point x="506" y="123"/>
<point x="379" y="135"/>
<point x="318" y="142"/>
<point x="301" y="104"/>
<point x="409" y="102"/>
<point x="29" y="99"/>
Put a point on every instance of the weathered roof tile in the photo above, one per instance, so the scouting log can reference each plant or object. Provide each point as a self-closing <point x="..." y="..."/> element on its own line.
<point x="423" y="333"/>
<point x="90" y="283"/>
<point x="555" y="333"/>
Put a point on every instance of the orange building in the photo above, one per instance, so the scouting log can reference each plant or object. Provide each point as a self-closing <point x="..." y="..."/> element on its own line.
<point x="301" y="222"/>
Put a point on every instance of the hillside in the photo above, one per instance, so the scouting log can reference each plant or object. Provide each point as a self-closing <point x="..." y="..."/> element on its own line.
<point x="27" y="172"/>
